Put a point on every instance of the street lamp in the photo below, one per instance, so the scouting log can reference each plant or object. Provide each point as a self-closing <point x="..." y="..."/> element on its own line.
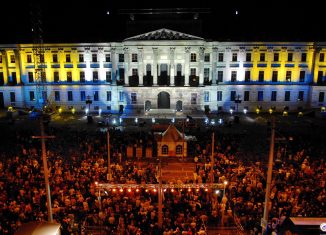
<point x="224" y="184"/>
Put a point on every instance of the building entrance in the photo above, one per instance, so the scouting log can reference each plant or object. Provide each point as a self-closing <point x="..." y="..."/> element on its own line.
<point x="163" y="100"/>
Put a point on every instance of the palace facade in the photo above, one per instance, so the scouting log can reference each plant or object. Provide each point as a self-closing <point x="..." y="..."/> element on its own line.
<point x="168" y="71"/>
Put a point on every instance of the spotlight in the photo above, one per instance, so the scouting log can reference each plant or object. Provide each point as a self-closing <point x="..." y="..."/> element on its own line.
<point x="245" y="111"/>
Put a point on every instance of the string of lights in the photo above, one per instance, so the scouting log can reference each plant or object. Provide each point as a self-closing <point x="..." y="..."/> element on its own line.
<point x="108" y="186"/>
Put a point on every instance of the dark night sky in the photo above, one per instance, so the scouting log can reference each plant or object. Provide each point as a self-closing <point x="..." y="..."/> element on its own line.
<point x="77" y="21"/>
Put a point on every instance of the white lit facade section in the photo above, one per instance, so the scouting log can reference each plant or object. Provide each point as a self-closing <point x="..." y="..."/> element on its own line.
<point x="170" y="71"/>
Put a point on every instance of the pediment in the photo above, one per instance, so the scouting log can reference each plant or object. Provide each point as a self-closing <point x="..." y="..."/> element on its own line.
<point x="163" y="34"/>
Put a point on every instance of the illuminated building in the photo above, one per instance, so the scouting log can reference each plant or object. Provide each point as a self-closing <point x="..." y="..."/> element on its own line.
<point x="168" y="71"/>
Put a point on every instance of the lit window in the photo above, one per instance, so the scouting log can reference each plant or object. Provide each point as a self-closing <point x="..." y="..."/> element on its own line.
<point x="233" y="76"/>
<point x="287" y="96"/>
<point x="193" y="57"/>
<point x="55" y="58"/>
<point x="220" y="57"/>
<point x="206" y="96"/>
<point x="260" y="96"/>
<point x="94" y="57"/>
<point x="12" y="59"/>
<point x="121" y="96"/>
<point x="29" y="58"/>
<point x="178" y="149"/>
<point x="134" y="58"/>
<point x="165" y="149"/>
<point x="81" y="58"/>
<point x="108" y="96"/>
<point x="133" y="98"/>
<point x="207" y="57"/>
<point x="219" y="95"/>
<point x="234" y="57"/>
<point x="95" y="95"/>
<point x="107" y="57"/>
<point x="68" y="60"/>
<point x="70" y="96"/>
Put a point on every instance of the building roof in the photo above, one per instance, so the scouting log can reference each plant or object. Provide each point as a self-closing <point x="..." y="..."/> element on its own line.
<point x="171" y="135"/>
<point x="302" y="221"/>
<point x="39" y="228"/>
<point x="163" y="34"/>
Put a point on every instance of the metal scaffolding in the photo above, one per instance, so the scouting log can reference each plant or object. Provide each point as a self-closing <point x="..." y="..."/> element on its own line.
<point x="38" y="54"/>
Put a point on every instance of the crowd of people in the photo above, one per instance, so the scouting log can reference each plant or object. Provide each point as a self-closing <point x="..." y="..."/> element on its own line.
<point x="78" y="159"/>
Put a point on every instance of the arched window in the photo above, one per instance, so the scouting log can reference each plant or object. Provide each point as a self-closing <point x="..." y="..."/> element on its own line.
<point x="178" y="149"/>
<point x="165" y="149"/>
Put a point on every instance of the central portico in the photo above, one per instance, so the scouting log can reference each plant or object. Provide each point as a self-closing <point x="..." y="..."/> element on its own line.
<point x="162" y="66"/>
<point x="163" y="58"/>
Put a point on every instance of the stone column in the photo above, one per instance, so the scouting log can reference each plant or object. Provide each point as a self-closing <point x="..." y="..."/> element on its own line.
<point x="201" y="65"/>
<point x="214" y="64"/>
<point x="6" y="67"/>
<point x="155" y="55"/>
<point x="172" y="66"/>
<point x="140" y="66"/>
<point x="127" y="65"/>
<point x="186" y="66"/>
<point x="18" y="66"/>
<point x="114" y="66"/>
